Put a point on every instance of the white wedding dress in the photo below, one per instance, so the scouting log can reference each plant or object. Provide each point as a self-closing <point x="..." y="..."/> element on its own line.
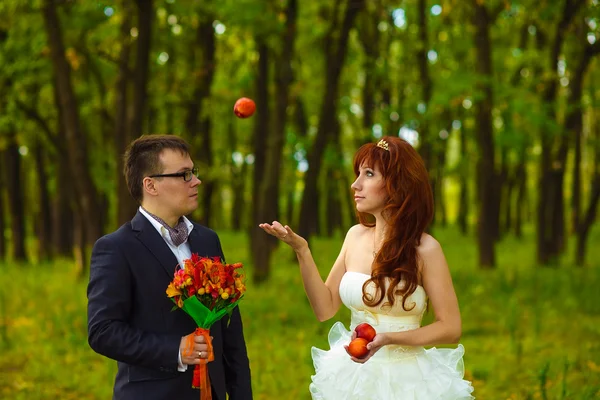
<point x="394" y="372"/>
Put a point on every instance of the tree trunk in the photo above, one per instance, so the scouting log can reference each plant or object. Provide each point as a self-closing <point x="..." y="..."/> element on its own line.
<point x="260" y="135"/>
<point x="209" y="186"/>
<point x="197" y="125"/>
<point x="123" y="135"/>
<point x="79" y="243"/>
<point x="503" y="195"/>
<point x="333" y="174"/>
<point x="270" y="183"/>
<point x="573" y="127"/>
<point x="576" y="184"/>
<point x="426" y="143"/>
<point x="426" y="146"/>
<point x="289" y="209"/>
<point x="63" y="239"/>
<point x="142" y="66"/>
<point x="4" y="87"/>
<point x="439" y="183"/>
<point x="47" y="242"/>
<point x="507" y="203"/>
<point x="16" y="198"/>
<point x="44" y="224"/>
<point x="335" y="57"/>
<point x="334" y="204"/>
<point x="515" y="182"/>
<point x="368" y="34"/>
<point x="2" y="212"/>
<point x="439" y="172"/>
<point x="238" y="181"/>
<point x="346" y="194"/>
<point x="574" y="124"/>
<point x="171" y="82"/>
<point x="589" y="217"/>
<point x="521" y="179"/>
<point x="239" y="221"/>
<point x="550" y="209"/>
<point x="44" y="216"/>
<point x="463" y="171"/>
<point x="85" y="192"/>
<point x="300" y="122"/>
<point x="217" y="212"/>
<point x="394" y="126"/>
<point x="135" y="124"/>
<point x="486" y="176"/>
<point x="587" y="221"/>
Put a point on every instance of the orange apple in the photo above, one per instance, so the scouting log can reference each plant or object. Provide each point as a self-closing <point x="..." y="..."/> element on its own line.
<point x="358" y="348"/>
<point x="365" y="331"/>
<point x="244" y="107"/>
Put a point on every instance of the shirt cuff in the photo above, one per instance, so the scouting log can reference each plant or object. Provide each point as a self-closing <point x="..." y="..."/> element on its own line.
<point x="180" y="366"/>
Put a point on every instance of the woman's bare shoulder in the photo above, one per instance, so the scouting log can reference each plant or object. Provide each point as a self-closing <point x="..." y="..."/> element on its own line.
<point x="428" y="245"/>
<point x="357" y="230"/>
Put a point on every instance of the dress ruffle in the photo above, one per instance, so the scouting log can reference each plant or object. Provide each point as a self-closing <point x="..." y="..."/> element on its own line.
<point x="413" y="374"/>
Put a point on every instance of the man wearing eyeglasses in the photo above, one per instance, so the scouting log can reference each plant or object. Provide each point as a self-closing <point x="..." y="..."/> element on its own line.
<point x="130" y="318"/>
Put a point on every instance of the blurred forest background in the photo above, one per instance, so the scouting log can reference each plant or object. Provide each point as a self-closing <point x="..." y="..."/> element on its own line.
<point x="501" y="98"/>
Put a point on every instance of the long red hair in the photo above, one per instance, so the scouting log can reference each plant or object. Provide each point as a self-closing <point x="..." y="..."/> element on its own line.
<point x="408" y="212"/>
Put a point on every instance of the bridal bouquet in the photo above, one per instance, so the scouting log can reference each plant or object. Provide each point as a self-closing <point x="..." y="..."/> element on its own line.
<point x="206" y="289"/>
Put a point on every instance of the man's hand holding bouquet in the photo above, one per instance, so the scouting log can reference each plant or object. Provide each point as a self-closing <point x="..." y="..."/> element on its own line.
<point x="206" y="289"/>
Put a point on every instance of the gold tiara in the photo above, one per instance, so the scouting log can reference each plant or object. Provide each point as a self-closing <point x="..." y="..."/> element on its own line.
<point x="383" y="144"/>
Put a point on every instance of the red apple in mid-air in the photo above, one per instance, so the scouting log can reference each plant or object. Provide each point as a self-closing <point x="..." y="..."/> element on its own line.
<point x="365" y="331"/>
<point x="244" y="107"/>
<point x="358" y="348"/>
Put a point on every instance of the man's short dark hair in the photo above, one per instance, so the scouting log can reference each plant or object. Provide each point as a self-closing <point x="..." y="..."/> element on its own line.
<point x="142" y="159"/>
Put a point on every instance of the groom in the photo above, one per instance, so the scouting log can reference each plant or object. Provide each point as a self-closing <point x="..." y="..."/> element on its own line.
<point x="129" y="314"/>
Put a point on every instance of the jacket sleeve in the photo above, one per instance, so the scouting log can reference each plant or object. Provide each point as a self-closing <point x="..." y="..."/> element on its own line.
<point x="110" y="307"/>
<point x="237" y="364"/>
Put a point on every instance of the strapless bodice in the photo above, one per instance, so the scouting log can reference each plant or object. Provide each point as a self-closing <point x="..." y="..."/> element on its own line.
<point x="383" y="317"/>
<point x="351" y="295"/>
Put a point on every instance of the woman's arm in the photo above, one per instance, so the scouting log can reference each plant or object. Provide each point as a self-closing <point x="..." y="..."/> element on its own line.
<point x="438" y="285"/>
<point x="324" y="297"/>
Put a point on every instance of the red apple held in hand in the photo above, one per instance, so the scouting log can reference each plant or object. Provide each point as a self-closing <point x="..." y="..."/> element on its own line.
<point x="244" y="107"/>
<point x="365" y="331"/>
<point x="358" y="348"/>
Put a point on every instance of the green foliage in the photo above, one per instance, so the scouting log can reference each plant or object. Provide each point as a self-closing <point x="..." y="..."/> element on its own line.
<point x="529" y="332"/>
<point x="91" y="31"/>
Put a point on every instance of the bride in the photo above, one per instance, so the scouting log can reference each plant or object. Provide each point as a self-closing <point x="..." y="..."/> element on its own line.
<point x="386" y="271"/>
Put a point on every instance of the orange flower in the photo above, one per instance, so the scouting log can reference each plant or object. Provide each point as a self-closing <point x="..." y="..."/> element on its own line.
<point x="173" y="291"/>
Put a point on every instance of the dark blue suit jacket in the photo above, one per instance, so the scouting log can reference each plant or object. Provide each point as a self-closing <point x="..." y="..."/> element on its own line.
<point x="130" y="318"/>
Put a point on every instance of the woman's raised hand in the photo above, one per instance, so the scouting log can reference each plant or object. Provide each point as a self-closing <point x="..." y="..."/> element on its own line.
<point x="285" y="234"/>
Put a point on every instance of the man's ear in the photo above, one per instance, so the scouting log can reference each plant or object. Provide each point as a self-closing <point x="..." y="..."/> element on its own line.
<point x="150" y="186"/>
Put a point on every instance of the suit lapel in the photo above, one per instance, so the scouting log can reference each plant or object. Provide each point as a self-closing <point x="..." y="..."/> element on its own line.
<point x="149" y="236"/>
<point x="198" y="244"/>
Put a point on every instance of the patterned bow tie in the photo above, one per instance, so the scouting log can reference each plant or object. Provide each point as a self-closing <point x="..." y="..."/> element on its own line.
<point x="179" y="233"/>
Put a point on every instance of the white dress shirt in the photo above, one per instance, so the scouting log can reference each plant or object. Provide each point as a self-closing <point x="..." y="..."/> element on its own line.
<point x="181" y="252"/>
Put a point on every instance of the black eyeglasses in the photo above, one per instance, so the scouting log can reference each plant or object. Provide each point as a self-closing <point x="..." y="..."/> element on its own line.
<point x="186" y="175"/>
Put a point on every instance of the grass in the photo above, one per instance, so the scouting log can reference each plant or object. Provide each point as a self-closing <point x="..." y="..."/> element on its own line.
<point x="529" y="332"/>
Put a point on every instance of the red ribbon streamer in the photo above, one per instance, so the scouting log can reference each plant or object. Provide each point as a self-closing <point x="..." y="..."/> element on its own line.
<point x="201" y="379"/>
